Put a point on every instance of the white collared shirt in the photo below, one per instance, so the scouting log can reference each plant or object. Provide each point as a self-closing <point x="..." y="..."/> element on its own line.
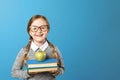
<point x="34" y="47"/>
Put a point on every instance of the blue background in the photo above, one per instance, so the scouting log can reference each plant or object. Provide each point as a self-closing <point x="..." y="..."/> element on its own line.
<point x="86" y="31"/>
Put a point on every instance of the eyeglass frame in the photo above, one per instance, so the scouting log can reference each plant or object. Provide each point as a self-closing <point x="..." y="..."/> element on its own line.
<point x="39" y="27"/>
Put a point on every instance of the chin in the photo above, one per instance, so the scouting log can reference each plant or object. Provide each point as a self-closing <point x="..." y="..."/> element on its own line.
<point x="40" y="40"/>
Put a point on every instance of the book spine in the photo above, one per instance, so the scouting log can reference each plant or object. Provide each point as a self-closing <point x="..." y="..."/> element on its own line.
<point x="42" y="70"/>
<point x="42" y="65"/>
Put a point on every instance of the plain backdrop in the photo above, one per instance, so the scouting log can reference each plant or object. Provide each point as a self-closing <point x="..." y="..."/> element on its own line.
<point x="86" y="31"/>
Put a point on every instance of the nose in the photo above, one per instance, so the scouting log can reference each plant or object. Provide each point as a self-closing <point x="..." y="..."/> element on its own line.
<point x="39" y="30"/>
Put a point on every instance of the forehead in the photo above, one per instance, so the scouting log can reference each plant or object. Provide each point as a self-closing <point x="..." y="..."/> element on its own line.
<point x="39" y="22"/>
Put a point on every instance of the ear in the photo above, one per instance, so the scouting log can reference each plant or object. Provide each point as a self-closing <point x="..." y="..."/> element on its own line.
<point x="30" y="33"/>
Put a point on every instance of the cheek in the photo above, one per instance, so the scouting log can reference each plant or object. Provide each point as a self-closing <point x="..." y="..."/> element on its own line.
<point x="46" y="33"/>
<point x="31" y="34"/>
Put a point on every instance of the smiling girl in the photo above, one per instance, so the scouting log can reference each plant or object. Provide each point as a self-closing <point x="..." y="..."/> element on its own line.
<point x="38" y="29"/>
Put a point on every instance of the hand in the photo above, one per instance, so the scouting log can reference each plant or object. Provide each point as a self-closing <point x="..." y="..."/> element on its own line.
<point x="53" y="71"/>
<point x="33" y="73"/>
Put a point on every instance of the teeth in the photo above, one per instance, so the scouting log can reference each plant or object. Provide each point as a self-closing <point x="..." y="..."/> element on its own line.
<point x="38" y="35"/>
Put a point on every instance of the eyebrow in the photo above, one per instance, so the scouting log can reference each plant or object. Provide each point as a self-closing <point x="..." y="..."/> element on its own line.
<point x="39" y="26"/>
<point x="34" y="26"/>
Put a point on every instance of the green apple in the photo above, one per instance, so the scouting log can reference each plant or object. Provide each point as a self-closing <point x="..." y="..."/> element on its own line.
<point x="40" y="55"/>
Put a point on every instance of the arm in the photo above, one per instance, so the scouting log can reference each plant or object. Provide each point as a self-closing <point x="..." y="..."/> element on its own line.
<point x="17" y="71"/>
<point x="61" y="64"/>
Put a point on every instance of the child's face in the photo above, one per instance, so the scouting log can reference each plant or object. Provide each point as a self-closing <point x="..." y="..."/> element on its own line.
<point x="39" y="30"/>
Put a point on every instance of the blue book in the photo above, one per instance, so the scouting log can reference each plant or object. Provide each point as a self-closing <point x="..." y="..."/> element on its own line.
<point x="51" y="60"/>
<point x="44" y="64"/>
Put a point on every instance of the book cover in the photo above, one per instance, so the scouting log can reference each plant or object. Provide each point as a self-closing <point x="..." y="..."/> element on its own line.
<point x="42" y="62"/>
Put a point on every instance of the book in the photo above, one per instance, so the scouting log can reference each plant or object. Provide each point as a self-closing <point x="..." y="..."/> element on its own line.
<point x="46" y="65"/>
<point x="42" y="70"/>
<point x="41" y="62"/>
<point x="42" y="65"/>
<point x="47" y="62"/>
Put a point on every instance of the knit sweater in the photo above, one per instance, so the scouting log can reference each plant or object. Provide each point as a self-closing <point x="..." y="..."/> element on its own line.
<point x="18" y="72"/>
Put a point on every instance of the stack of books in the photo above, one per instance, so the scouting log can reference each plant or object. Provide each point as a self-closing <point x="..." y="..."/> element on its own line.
<point x="44" y="66"/>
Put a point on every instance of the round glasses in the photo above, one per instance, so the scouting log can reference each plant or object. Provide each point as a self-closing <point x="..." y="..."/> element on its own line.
<point x="42" y="28"/>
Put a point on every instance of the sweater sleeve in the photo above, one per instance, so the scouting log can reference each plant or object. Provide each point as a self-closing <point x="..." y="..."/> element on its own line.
<point x="61" y="63"/>
<point x="17" y="72"/>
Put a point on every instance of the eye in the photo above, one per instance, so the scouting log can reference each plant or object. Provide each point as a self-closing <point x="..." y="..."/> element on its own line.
<point x="33" y="28"/>
<point x="44" y="27"/>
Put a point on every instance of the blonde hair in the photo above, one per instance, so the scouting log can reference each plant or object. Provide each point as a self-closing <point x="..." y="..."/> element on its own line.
<point x="26" y="52"/>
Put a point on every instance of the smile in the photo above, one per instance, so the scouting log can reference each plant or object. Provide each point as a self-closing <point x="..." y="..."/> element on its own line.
<point x="39" y="35"/>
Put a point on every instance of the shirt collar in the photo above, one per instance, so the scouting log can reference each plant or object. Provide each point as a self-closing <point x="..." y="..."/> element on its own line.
<point x="34" y="47"/>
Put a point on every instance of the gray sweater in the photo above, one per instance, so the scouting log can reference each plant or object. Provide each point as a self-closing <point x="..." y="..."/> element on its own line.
<point x="17" y="72"/>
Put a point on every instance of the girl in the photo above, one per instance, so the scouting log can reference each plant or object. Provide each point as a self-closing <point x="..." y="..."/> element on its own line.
<point x="38" y="28"/>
